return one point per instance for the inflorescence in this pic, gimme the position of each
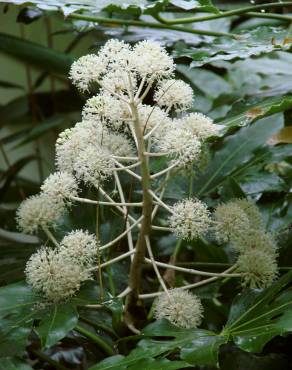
(108, 140)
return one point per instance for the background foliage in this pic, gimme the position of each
(240, 69)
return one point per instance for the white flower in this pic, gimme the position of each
(87, 70)
(53, 275)
(181, 144)
(190, 219)
(174, 94)
(39, 211)
(115, 54)
(151, 116)
(73, 141)
(180, 307)
(252, 212)
(60, 186)
(230, 222)
(118, 81)
(254, 239)
(93, 165)
(105, 107)
(119, 145)
(200, 125)
(259, 268)
(81, 247)
(150, 59)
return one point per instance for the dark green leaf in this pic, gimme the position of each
(41, 129)
(13, 364)
(256, 42)
(236, 150)
(245, 112)
(38, 55)
(56, 323)
(258, 316)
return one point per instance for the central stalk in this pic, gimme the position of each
(138, 260)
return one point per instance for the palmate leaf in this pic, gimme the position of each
(196, 346)
(56, 323)
(236, 150)
(259, 41)
(36, 54)
(11, 363)
(250, 110)
(198, 5)
(18, 309)
(256, 316)
(93, 6)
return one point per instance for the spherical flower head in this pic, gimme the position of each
(106, 108)
(230, 222)
(200, 125)
(87, 70)
(75, 140)
(53, 275)
(259, 269)
(150, 117)
(118, 145)
(180, 307)
(117, 81)
(81, 247)
(60, 186)
(93, 165)
(251, 211)
(174, 94)
(180, 144)
(39, 211)
(255, 239)
(149, 59)
(190, 219)
(115, 54)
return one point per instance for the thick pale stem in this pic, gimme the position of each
(138, 260)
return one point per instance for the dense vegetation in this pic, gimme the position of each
(221, 185)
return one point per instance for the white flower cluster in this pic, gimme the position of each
(147, 59)
(180, 307)
(45, 209)
(174, 94)
(57, 274)
(124, 73)
(190, 219)
(240, 223)
(86, 151)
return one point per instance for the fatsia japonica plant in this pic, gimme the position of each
(138, 119)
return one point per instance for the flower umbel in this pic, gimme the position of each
(180, 307)
(190, 219)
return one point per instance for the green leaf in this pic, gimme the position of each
(196, 346)
(210, 83)
(16, 298)
(236, 150)
(256, 42)
(16, 314)
(91, 6)
(13, 364)
(258, 316)
(56, 323)
(199, 5)
(33, 53)
(248, 111)
(163, 363)
(42, 128)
